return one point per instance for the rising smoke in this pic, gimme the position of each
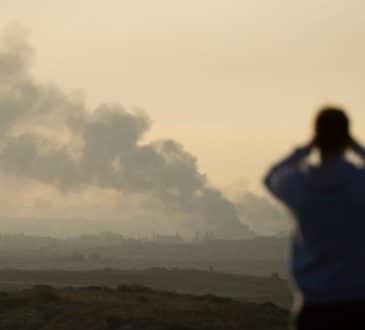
(260, 213)
(48, 136)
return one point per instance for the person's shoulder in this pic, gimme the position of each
(357, 176)
(356, 169)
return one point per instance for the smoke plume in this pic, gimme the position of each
(260, 213)
(48, 136)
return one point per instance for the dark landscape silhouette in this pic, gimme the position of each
(132, 307)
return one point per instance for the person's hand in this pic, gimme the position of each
(312, 143)
(354, 145)
(352, 142)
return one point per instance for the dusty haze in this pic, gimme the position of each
(236, 83)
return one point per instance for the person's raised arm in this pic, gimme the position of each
(357, 148)
(282, 179)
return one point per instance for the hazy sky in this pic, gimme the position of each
(236, 82)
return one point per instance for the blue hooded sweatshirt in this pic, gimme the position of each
(328, 244)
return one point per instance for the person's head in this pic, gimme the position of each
(332, 129)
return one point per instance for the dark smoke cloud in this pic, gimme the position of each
(260, 213)
(48, 136)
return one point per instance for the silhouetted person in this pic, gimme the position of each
(328, 245)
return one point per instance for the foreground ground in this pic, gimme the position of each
(131, 308)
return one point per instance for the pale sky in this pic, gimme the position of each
(237, 82)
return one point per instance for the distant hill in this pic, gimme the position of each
(261, 256)
(131, 308)
(246, 288)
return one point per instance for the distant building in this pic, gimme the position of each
(168, 239)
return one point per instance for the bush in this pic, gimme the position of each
(134, 289)
(43, 294)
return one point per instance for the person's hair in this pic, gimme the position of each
(332, 128)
